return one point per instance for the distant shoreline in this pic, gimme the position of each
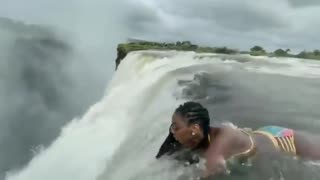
(137, 45)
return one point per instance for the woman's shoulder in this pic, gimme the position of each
(226, 128)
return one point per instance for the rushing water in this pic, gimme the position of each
(118, 137)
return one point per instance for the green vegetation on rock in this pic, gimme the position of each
(309, 55)
(259, 51)
(125, 48)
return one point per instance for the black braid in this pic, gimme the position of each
(194, 113)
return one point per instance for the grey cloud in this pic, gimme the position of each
(300, 3)
(240, 24)
(141, 16)
(231, 14)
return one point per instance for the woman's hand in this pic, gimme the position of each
(215, 166)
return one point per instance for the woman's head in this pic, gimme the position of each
(189, 128)
(190, 124)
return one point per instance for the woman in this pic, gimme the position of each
(190, 130)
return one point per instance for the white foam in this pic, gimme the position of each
(137, 93)
(118, 137)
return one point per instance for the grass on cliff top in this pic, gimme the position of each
(188, 46)
(179, 46)
(136, 47)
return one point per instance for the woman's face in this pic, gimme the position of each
(188, 135)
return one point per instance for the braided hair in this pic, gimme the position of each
(193, 113)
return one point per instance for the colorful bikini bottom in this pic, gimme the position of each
(281, 137)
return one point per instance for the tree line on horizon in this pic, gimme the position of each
(188, 46)
(259, 51)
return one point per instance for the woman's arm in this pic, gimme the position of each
(219, 150)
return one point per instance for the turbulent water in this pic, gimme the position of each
(118, 137)
(42, 87)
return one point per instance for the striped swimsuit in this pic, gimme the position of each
(282, 138)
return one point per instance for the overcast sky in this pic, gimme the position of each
(238, 23)
(97, 26)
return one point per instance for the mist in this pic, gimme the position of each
(54, 64)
